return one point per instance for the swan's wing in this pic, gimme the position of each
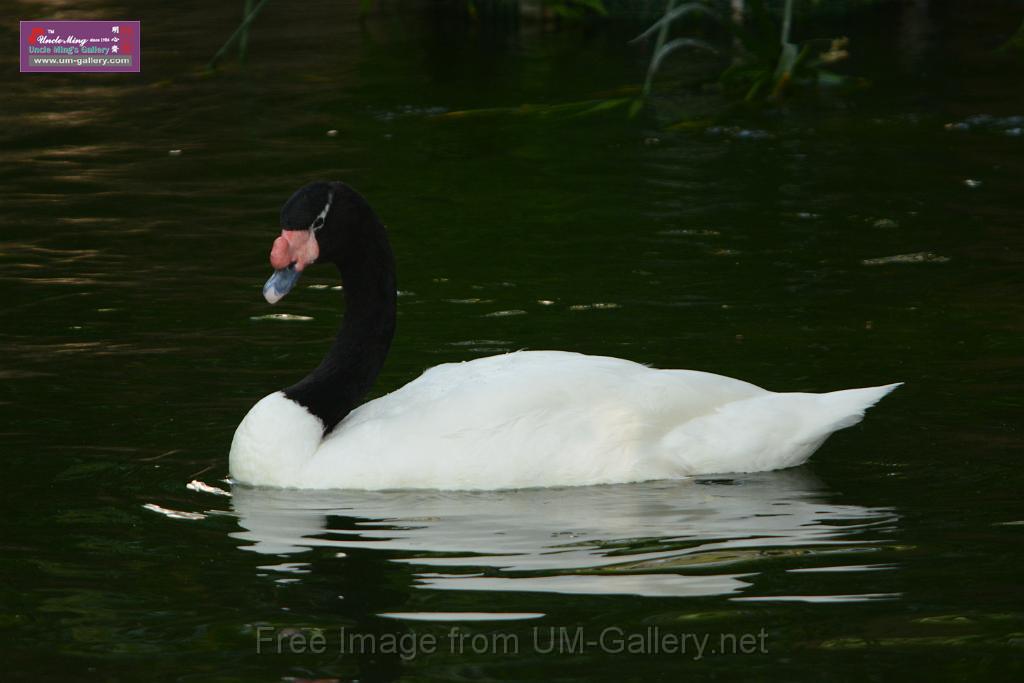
(523, 419)
(491, 391)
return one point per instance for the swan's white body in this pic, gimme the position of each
(542, 418)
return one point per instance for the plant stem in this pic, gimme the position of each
(243, 40)
(662, 35)
(238, 32)
(787, 22)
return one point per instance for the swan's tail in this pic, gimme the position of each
(848, 405)
(766, 432)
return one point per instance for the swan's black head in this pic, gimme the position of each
(318, 224)
(308, 207)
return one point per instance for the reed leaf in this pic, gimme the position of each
(242, 29)
(673, 45)
(675, 13)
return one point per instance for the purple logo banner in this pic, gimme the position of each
(79, 46)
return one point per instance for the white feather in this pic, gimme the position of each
(542, 418)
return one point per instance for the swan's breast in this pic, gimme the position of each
(274, 441)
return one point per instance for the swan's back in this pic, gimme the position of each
(549, 418)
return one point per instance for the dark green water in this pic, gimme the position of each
(133, 339)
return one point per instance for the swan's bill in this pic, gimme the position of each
(289, 256)
(280, 283)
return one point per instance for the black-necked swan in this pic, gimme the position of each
(523, 419)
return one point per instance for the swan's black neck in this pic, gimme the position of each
(348, 371)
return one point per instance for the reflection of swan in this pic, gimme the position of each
(531, 418)
(564, 537)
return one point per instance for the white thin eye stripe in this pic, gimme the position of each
(321, 218)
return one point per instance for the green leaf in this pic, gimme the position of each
(673, 14)
(596, 6)
(673, 45)
(756, 88)
(603, 106)
(830, 78)
(635, 107)
(786, 61)
(574, 9)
